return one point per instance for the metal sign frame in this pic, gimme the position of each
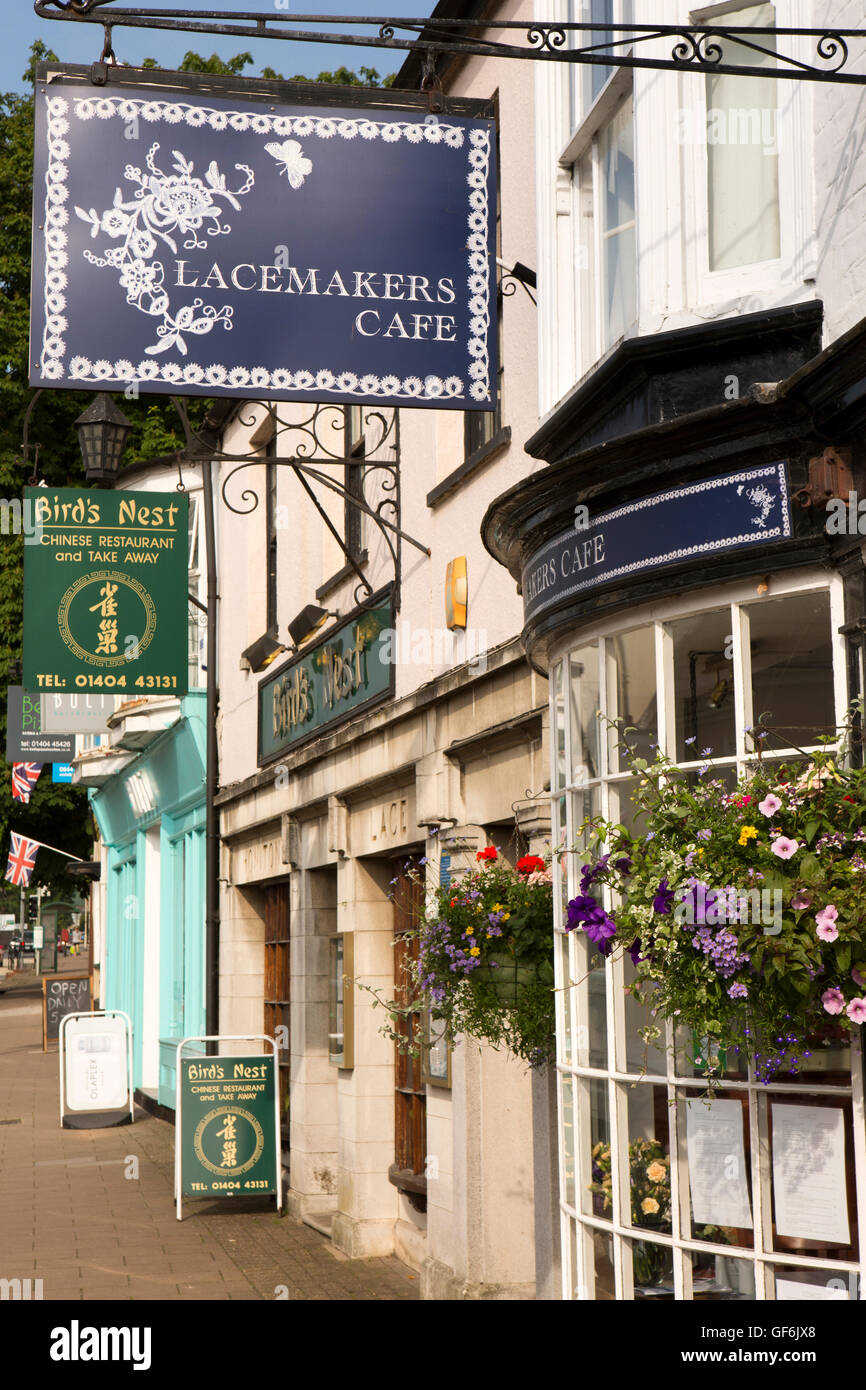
(178, 1119)
(96, 1013)
(694, 47)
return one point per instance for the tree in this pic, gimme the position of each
(59, 815)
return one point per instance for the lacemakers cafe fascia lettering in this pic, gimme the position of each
(355, 284)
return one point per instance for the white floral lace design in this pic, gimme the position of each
(185, 200)
(179, 203)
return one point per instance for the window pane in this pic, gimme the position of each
(631, 693)
(721, 1278)
(704, 686)
(567, 1122)
(594, 1131)
(649, 1158)
(584, 704)
(795, 1285)
(559, 724)
(653, 1269)
(792, 668)
(742, 152)
(623, 806)
(600, 12)
(590, 1002)
(640, 1055)
(616, 151)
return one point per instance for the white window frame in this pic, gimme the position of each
(796, 264)
(572, 962)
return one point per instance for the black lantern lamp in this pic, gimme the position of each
(102, 430)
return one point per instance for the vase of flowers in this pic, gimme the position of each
(744, 909)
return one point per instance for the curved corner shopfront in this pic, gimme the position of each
(680, 578)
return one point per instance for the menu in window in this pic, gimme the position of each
(809, 1173)
(717, 1163)
(792, 1291)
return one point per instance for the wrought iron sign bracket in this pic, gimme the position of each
(306, 444)
(693, 47)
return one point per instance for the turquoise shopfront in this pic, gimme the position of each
(151, 818)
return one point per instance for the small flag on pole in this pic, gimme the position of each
(22, 859)
(24, 779)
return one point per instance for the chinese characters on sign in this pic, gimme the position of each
(220, 245)
(105, 593)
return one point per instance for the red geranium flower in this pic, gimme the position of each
(487, 854)
(847, 798)
(530, 864)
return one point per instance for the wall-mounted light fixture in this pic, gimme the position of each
(262, 652)
(308, 622)
(456, 593)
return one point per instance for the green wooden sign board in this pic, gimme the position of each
(227, 1122)
(351, 668)
(105, 591)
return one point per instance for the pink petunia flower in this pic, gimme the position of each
(801, 900)
(827, 916)
(856, 1011)
(858, 978)
(769, 806)
(833, 1001)
(784, 848)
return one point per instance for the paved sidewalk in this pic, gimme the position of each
(71, 1217)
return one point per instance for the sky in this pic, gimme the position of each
(76, 42)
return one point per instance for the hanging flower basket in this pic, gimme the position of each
(507, 976)
(484, 965)
(744, 911)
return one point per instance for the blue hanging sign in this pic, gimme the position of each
(194, 244)
(751, 507)
(61, 772)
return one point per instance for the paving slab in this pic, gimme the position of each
(71, 1217)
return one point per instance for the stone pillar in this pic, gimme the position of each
(367, 1206)
(313, 1080)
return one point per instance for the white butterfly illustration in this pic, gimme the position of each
(294, 163)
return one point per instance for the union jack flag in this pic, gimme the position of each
(22, 859)
(24, 779)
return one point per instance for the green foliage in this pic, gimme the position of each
(232, 67)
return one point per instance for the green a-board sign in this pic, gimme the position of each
(105, 591)
(227, 1123)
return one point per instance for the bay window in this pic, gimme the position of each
(689, 676)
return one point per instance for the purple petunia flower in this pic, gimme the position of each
(663, 899)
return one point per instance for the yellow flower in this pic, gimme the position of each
(475, 951)
(747, 833)
(656, 1172)
(505, 916)
(497, 907)
(649, 1206)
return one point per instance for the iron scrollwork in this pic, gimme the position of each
(313, 445)
(696, 48)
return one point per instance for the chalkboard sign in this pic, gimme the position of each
(61, 995)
